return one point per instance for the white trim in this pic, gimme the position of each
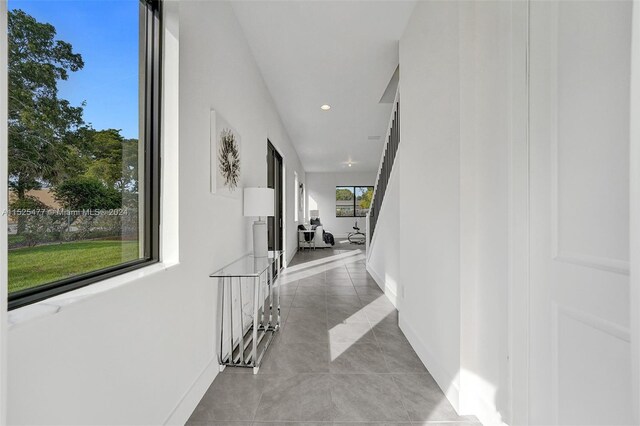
(599, 323)
(595, 262)
(170, 174)
(475, 401)
(388, 291)
(194, 394)
(53, 305)
(290, 258)
(518, 289)
(634, 172)
(3, 206)
(446, 380)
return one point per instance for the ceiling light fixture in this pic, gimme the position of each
(349, 164)
(325, 107)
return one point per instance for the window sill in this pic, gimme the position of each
(53, 305)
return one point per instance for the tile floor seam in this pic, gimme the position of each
(331, 393)
(371, 325)
(401, 398)
(255, 411)
(327, 276)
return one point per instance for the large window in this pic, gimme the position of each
(84, 79)
(353, 201)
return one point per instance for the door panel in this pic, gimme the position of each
(579, 204)
(274, 180)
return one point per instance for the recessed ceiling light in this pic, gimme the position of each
(325, 107)
(349, 164)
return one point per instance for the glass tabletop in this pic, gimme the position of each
(247, 266)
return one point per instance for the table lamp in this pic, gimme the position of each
(314, 214)
(258, 202)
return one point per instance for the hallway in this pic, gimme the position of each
(340, 357)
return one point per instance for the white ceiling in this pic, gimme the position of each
(341, 53)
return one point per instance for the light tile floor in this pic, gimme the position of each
(340, 357)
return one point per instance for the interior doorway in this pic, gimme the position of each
(275, 181)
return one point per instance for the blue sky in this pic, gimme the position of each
(105, 33)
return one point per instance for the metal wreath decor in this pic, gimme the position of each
(229, 159)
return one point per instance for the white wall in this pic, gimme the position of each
(456, 135)
(429, 195)
(383, 262)
(142, 352)
(485, 146)
(320, 193)
(489, 336)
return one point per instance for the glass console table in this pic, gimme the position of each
(248, 309)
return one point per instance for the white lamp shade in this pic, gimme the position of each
(314, 213)
(258, 201)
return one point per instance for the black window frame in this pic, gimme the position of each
(355, 198)
(152, 147)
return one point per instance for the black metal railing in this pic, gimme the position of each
(389, 156)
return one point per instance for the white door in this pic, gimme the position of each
(579, 212)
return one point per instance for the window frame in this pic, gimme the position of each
(355, 198)
(296, 201)
(152, 146)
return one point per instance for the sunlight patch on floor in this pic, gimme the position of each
(341, 256)
(309, 269)
(375, 312)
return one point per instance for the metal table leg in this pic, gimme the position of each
(254, 356)
(221, 324)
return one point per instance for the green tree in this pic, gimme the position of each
(344, 194)
(130, 165)
(44, 130)
(365, 199)
(87, 193)
(114, 161)
(105, 148)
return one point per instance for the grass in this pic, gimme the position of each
(33, 266)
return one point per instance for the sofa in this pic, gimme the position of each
(316, 242)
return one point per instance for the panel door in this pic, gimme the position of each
(579, 212)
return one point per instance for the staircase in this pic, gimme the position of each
(386, 165)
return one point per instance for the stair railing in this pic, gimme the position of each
(392, 141)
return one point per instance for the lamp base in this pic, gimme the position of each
(260, 238)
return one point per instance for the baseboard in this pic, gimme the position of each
(473, 401)
(194, 394)
(447, 381)
(290, 258)
(391, 294)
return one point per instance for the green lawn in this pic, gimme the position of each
(32, 266)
